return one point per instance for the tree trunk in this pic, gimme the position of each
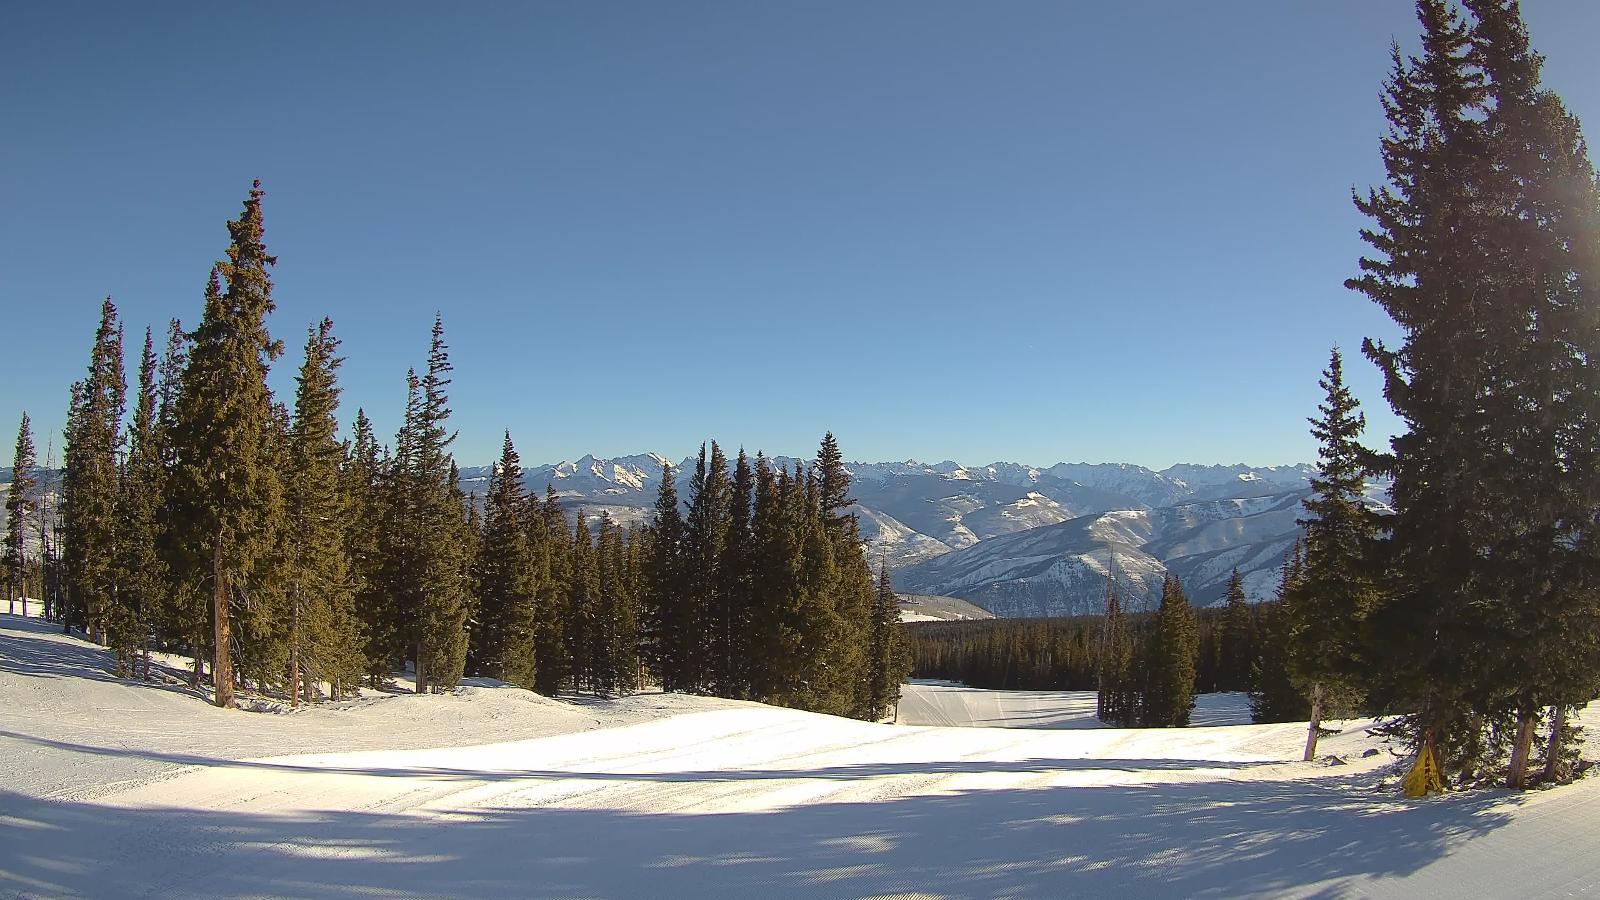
(294, 651)
(1553, 770)
(1313, 729)
(422, 669)
(222, 663)
(1522, 749)
(196, 641)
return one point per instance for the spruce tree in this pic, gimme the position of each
(666, 625)
(325, 641)
(141, 572)
(889, 658)
(582, 589)
(1237, 641)
(503, 644)
(1274, 697)
(222, 483)
(89, 482)
(550, 641)
(1336, 591)
(21, 506)
(1485, 240)
(1117, 703)
(1172, 655)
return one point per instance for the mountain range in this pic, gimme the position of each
(1015, 539)
(1023, 540)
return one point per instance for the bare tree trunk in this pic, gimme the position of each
(1552, 759)
(1522, 749)
(1313, 728)
(196, 641)
(222, 664)
(294, 651)
(422, 668)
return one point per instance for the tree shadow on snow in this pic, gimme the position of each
(1187, 839)
(1039, 766)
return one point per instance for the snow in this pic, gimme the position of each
(115, 789)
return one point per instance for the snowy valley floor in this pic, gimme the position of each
(114, 789)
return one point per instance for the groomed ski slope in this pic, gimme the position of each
(664, 797)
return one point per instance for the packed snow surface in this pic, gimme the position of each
(115, 789)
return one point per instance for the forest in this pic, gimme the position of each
(219, 522)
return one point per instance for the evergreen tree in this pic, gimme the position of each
(1172, 654)
(366, 488)
(141, 572)
(615, 622)
(503, 644)
(730, 619)
(1117, 703)
(21, 504)
(1485, 240)
(89, 482)
(549, 634)
(1335, 592)
(666, 623)
(1237, 643)
(1274, 697)
(325, 641)
(221, 482)
(889, 659)
(583, 589)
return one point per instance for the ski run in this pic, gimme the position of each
(116, 789)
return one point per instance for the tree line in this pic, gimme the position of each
(216, 521)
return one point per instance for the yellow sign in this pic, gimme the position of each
(1423, 779)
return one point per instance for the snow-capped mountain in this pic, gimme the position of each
(1015, 538)
(1061, 569)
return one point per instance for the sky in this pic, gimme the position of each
(1031, 232)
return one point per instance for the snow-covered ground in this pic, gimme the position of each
(928, 702)
(114, 789)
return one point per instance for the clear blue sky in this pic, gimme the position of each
(1021, 231)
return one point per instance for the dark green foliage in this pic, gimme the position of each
(325, 639)
(1486, 242)
(1274, 695)
(507, 577)
(22, 506)
(1329, 602)
(223, 483)
(141, 573)
(1173, 652)
(89, 482)
(667, 625)
(1118, 700)
(547, 529)
(888, 655)
(1236, 644)
(614, 664)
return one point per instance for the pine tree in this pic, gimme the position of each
(666, 625)
(1172, 653)
(1274, 697)
(89, 482)
(889, 658)
(550, 641)
(21, 504)
(1237, 644)
(615, 622)
(221, 483)
(503, 644)
(1335, 592)
(141, 572)
(583, 589)
(1485, 240)
(730, 619)
(367, 494)
(325, 640)
(1117, 703)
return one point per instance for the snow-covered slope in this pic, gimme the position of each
(737, 801)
